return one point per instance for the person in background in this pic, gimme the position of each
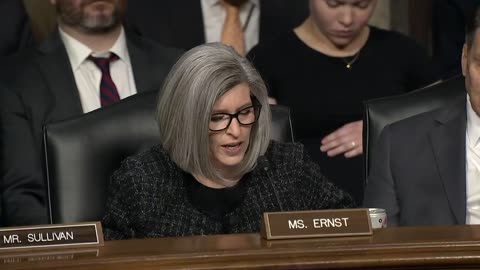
(449, 20)
(89, 63)
(241, 23)
(216, 170)
(325, 68)
(16, 32)
(15, 35)
(426, 168)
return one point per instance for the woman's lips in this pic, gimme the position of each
(232, 148)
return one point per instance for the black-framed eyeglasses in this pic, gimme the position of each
(247, 116)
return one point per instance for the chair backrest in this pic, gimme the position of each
(383, 111)
(83, 152)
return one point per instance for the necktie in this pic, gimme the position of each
(232, 33)
(108, 89)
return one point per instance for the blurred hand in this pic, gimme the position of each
(346, 140)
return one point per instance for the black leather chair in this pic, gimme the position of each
(83, 152)
(383, 111)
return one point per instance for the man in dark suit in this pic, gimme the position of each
(180, 23)
(426, 168)
(60, 80)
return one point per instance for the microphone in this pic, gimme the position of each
(228, 222)
(264, 164)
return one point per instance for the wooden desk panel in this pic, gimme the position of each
(454, 247)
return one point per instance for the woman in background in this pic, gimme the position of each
(325, 68)
(216, 170)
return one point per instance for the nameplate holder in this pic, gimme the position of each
(318, 223)
(88, 234)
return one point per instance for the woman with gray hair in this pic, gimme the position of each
(216, 170)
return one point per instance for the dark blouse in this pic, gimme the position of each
(324, 95)
(215, 203)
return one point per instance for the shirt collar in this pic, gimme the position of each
(78, 52)
(473, 124)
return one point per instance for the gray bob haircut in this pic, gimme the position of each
(199, 78)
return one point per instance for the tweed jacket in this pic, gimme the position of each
(147, 195)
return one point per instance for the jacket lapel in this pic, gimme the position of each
(146, 69)
(448, 145)
(54, 65)
(142, 71)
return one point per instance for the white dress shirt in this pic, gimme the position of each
(473, 165)
(214, 16)
(88, 75)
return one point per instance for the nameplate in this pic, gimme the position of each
(45, 236)
(319, 223)
(35, 256)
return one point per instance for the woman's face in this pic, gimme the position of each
(341, 21)
(228, 146)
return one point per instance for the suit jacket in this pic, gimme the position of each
(45, 91)
(418, 172)
(179, 23)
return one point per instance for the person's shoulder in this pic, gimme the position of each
(157, 47)
(384, 34)
(150, 170)
(20, 57)
(153, 160)
(273, 47)
(152, 47)
(23, 69)
(51, 51)
(392, 39)
(28, 56)
(284, 151)
(422, 123)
